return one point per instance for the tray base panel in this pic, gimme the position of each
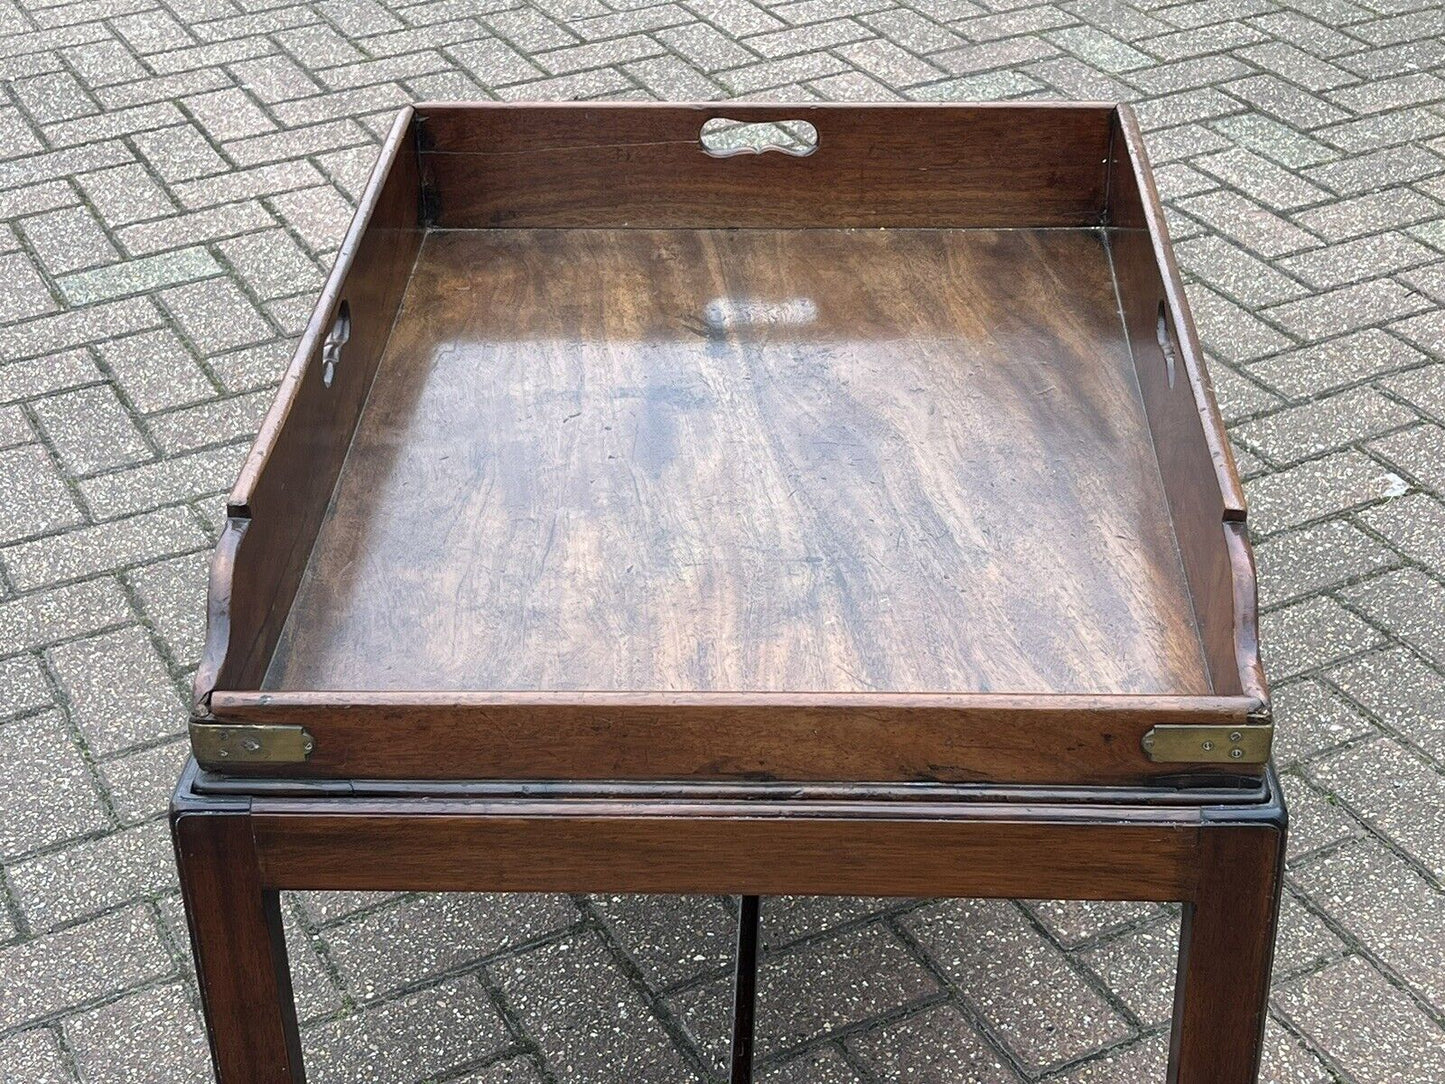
(791, 460)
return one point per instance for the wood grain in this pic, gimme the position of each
(1227, 940)
(280, 497)
(1057, 740)
(1192, 449)
(240, 950)
(971, 853)
(570, 165)
(754, 460)
(774, 466)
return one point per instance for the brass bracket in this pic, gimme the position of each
(1243, 744)
(217, 745)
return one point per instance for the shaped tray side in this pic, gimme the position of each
(1190, 442)
(280, 497)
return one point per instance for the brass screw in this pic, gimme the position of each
(1208, 746)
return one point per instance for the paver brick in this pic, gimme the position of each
(183, 231)
(381, 951)
(69, 239)
(33, 495)
(1395, 792)
(80, 965)
(46, 794)
(1324, 315)
(1324, 366)
(1418, 452)
(45, 617)
(590, 1024)
(1320, 557)
(1363, 258)
(1318, 488)
(1237, 273)
(88, 551)
(1302, 432)
(821, 1066)
(1143, 1060)
(1311, 634)
(59, 887)
(1398, 687)
(158, 1028)
(1321, 822)
(90, 430)
(1357, 1018)
(1386, 209)
(671, 938)
(1248, 224)
(1408, 602)
(1304, 943)
(1311, 718)
(155, 370)
(33, 1057)
(1020, 984)
(1139, 968)
(422, 1034)
(26, 294)
(937, 1043)
(23, 686)
(174, 182)
(1367, 889)
(139, 784)
(119, 691)
(827, 985)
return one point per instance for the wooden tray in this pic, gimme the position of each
(607, 457)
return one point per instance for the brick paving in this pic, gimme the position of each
(175, 176)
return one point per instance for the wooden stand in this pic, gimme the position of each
(1222, 861)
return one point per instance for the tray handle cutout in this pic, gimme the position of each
(335, 340)
(1164, 331)
(723, 137)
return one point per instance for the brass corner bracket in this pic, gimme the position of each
(1247, 743)
(217, 745)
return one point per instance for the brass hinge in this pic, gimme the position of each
(1245, 744)
(217, 745)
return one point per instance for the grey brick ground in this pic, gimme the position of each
(175, 176)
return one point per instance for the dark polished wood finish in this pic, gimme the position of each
(745, 992)
(639, 519)
(910, 503)
(278, 503)
(1226, 948)
(757, 460)
(1222, 862)
(812, 737)
(239, 947)
(1034, 165)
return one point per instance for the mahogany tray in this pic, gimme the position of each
(886, 457)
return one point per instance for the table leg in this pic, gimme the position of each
(240, 950)
(745, 991)
(1226, 951)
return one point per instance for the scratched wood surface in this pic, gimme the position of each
(752, 460)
